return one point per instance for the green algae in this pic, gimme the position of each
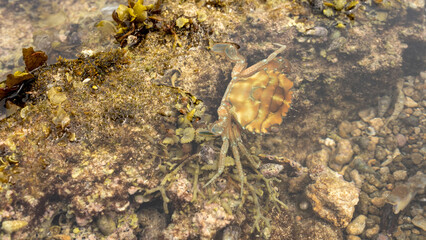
(134, 19)
(180, 22)
(63, 98)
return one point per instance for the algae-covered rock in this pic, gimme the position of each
(106, 224)
(211, 218)
(356, 227)
(332, 198)
(10, 226)
(344, 152)
(153, 223)
(88, 137)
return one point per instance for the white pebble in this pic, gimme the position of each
(399, 175)
(409, 102)
(357, 226)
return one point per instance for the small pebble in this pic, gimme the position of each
(373, 210)
(13, 225)
(416, 210)
(345, 128)
(417, 130)
(401, 140)
(356, 227)
(408, 91)
(378, 201)
(377, 123)
(412, 121)
(390, 142)
(380, 153)
(364, 202)
(419, 221)
(370, 222)
(368, 188)
(356, 132)
(232, 232)
(417, 158)
(363, 142)
(359, 124)
(367, 114)
(374, 181)
(303, 205)
(319, 158)
(317, 31)
(356, 177)
(140, 198)
(384, 174)
(382, 236)
(372, 143)
(409, 102)
(344, 152)
(352, 237)
(106, 224)
(384, 171)
(375, 218)
(419, 112)
(400, 175)
(329, 142)
(371, 232)
(408, 111)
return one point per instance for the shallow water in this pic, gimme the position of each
(357, 107)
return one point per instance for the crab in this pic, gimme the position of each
(256, 99)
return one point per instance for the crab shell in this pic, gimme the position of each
(260, 100)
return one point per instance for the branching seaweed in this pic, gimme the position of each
(168, 178)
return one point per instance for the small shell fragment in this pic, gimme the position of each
(317, 32)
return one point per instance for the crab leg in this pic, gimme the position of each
(253, 69)
(253, 162)
(230, 51)
(221, 162)
(237, 137)
(238, 164)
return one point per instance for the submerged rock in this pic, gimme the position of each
(13, 225)
(344, 152)
(419, 221)
(210, 219)
(106, 224)
(367, 114)
(232, 232)
(402, 194)
(153, 223)
(332, 198)
(356, 227)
